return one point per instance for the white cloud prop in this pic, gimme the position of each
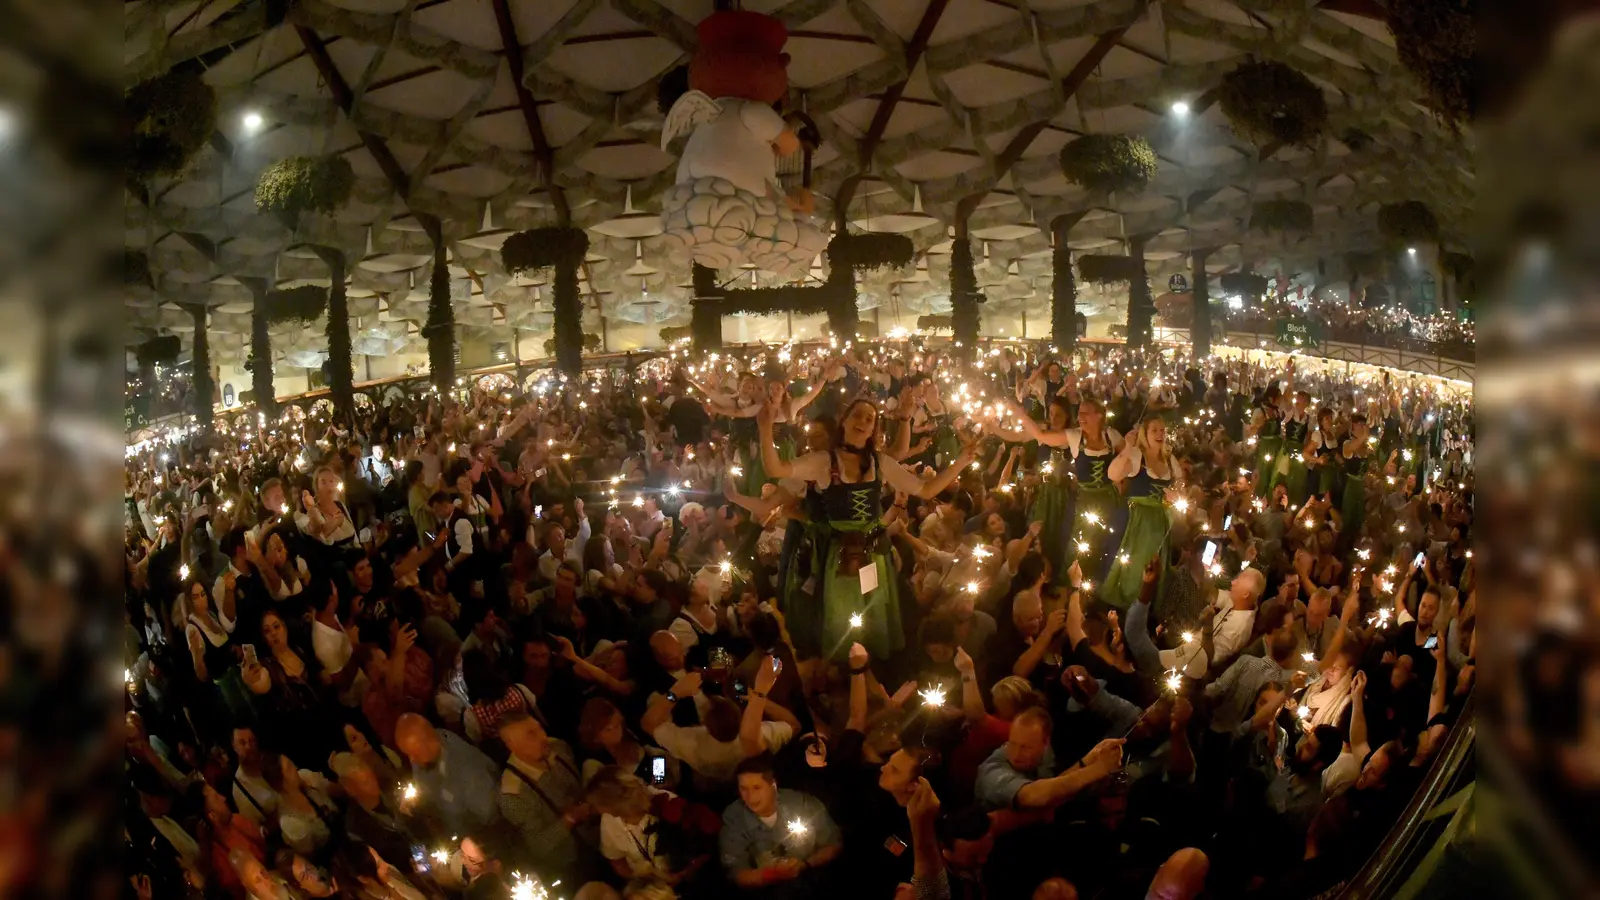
(721, 226)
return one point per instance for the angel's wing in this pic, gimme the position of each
(693, 108)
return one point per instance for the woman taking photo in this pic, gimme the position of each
(290, 688)
(850, 476)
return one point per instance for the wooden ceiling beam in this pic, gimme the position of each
(1020, 142)
(530, 110)
(317, 49)
(915, 48)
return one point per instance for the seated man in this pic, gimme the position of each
(776, 841)
(1022, 774)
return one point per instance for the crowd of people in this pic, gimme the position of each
(1363, 324)
(804, 619)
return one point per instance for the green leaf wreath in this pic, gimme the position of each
(302, 305)
(1268, 102)
(1245, 284)
(1281, 216)
(863, 252)
(1109, 162)
(1437, 42)
(1407, 223)
(305, 184)
(542, 248)
(136, 268)
(162, 350)
(169, 118)
(1105, 268)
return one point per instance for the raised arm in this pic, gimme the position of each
(971, 697)
(756, 705)
(1358, 715)
(775, 465)
(1047, 793)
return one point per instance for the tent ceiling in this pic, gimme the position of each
(431, 88)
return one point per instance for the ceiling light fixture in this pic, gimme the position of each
(252, 122)
(1180, 108)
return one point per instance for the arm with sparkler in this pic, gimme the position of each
(1035, 654)
(750, 737)
(971, 698)
(1048, 793)
(1136, 632)
(1358, 715)
(1180, 758)
(927, 868)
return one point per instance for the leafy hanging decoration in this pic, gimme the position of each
(675, 333)
(1244, 284)
(1437, 42)
(301, 305)
(1270, 103)
(440, 327)
(965, 317)
(1109, 163)
(772, 301)
(864, 252)
(1405, 223)
(1063, 297)
(1104, 268)
(169, 118)
(136, 268)
(161, 350)
(591, 344)
(542, 248)
(305, 184)
(1281, 216)
(933, 323)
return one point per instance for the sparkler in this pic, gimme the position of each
(1188, 637)
(726, 567)
(856, 620)
(972, 587)
(410, 791)
(932, 697)
(183, 571)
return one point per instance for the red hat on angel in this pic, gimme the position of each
(741, 55)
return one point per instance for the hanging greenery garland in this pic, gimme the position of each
(542, 248)
(1109, 163)
(675, 333)
(1437, 41)
(136, 268)
(303, 305)
(1270, 103)
(865, 252)
(933, 323)
(1407, 223)
(1281, 216)
(169, 118)
(1104, 268)
(1244, 284)
(305, 184)
(591, 344)
(161, 350)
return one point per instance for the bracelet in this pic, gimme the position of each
(759, 695)
(860, 671)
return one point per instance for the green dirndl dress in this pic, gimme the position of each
(854, 517)
(805, 546)
(1094, 495)
(1052, 508)
(1145, 538)
(1328, 468)
(946, 444)
(1292, 472)
(1269, 452)
(1353, 504)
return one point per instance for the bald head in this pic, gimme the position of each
(1181, 877)
(1027, 613)
(597, 890)
(417, 739)
(668, 651)
(1055, 889)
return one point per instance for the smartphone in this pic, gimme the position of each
(1431, 643)
(419, 858)
(658, 770)
(1207, 554)
(538, 512)
(739, 690)
(250, 655)
(1416, 561)
(1227, 522)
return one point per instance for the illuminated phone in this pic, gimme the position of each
(1227, 522)
(658, 770)
(250, 655)
(1416, 561)
(1431, 643)
(1207, 554)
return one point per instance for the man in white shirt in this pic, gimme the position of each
(715, 749)
(1225, 627)
(558, 548)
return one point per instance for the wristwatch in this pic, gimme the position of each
(672, 697)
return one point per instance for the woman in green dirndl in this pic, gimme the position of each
(1322, 454)
(857, 575)
(1078, 503)
(1353, 474)
(742, 408)
(1266, 430)
(1291, 470)
(1146, 470)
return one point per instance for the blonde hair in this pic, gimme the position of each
(1141, 441)
(1017, 692)
(615, 792)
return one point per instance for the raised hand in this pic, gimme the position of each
(858, 656)
(964, 664)
(1105, 758)
(767, 673)
(923, 808)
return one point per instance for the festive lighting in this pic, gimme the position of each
(1216, 569)
(1174, 682)
(855, 620)
(1092, 517)
(638, 500)
(726, 567)
(1188, 637)
(441, 856)
(1181, 504)
(674, 490)
(981, 552)
(1304, 712)
(410, 792)
(972, 587)
(183, 571)
(932, 697)
(1308, 656)
(1083, 546)
(1123, 559)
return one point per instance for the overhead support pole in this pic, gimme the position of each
(261, 349)
(1141, 306)
(200, 383)
(340, 370)
(1063, 287)
(1200, 321)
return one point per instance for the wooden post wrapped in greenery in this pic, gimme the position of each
(161, 350)
(301, 184)
(839, 300)
(1119, 163)
(705, 314)
(340, 375)
(301, 306)
(965, 317)
(1437, 41)
(1200, 326)
(1063, 290)
(170, 118)
(200, 382)
(562, 249)
(1270, 103)
(1141, 306)
(1286, 217)
(441, 326)
(260, 363)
